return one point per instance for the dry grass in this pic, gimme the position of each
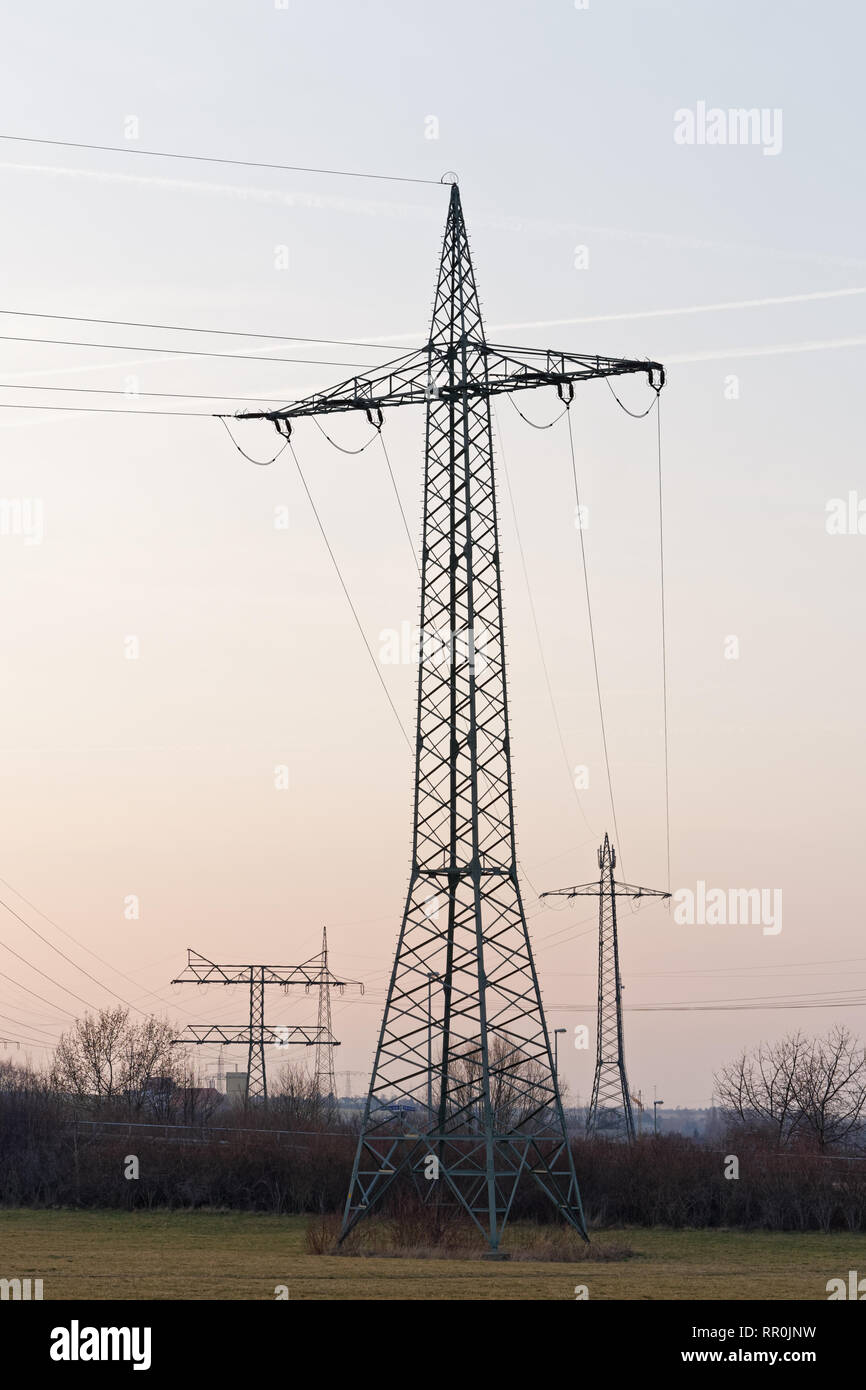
(242, 1255)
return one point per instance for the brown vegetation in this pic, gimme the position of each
(787, 1154)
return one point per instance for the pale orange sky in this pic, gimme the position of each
(155, 776)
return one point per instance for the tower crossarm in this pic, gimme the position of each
(521, 369)
(633, 890)
(429, 374)
(580, 890)
(591, 890)
(271, 1035)
(404, 381)
(201, 971)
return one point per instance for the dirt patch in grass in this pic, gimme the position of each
(386, 1238)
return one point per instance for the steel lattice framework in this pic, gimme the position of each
(610, 1112)
(463, 1098)
(326, 1082)
(259, 1035)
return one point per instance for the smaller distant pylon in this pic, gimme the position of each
(610, 1113)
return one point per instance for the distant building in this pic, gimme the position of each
(156, 1087)
(163, 1097)
(236, 1084)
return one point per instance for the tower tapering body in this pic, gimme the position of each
(610, 1112)
(326, 1084)
(257, 1076)
(463, 1098)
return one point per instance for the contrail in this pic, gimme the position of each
(374, 207)
(420, 212)
(689, 309)
(378, 207)
(718, 307)
(716, 354)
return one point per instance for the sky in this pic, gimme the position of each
(170, 645)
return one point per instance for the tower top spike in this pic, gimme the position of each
(464, 1068)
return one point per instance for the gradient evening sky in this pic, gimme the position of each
(155, 776)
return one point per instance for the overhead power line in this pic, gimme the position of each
(399, 502)
(67, 958)
(104, 410)
(147, 993)
(189, 328)
(184, 352)
(664, 640)
(535, 623)
(49, 978)
(22, 1023)
(348, 597)
(133, 396)
(27, 1042)
(213, 159)
(592, 633)
(57, 1007)
(260, 463)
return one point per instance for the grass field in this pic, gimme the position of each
(239, 1255)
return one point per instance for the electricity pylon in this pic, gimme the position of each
(463, 1098)
(610, 1111)
(326, 1083)
(259, 1035)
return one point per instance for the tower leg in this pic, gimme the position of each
(463, 1092)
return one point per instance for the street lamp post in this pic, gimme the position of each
(656, 1104)
(556, 1033)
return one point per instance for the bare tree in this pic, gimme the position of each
(296, 1098)
(762, 1087)
(799, 1087)
(519, 1085)
(147, 1052)
(107, 1057)
(832, 1088)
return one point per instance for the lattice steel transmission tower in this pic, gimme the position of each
(610, 1111)
(326, 1082)
(463, 1099)
(259, 1035)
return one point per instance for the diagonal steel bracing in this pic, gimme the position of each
(463, 1100)
(314, 972)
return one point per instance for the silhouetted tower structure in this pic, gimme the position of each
(463, 1098)
(259, 1035)
(610, 1111)
(326, 1084)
